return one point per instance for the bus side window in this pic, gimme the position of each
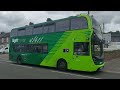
(45, 48)
(45, 29)
(62, 25)
(37, 48)
(37, 30)
(79, 23)
(51, 28)
(14, 33)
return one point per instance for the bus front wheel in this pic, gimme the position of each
(62, 65)
(19, 60)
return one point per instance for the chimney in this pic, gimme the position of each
(31, 23)
(2, 33)
(49, 19)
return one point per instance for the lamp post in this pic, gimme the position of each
(88, 12)
(103, 28)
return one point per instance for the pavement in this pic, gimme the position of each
(113, 66)
(4, 56)
(10, 70)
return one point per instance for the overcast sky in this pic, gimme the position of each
(14, 19)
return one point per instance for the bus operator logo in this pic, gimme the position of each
(14, 40)
(36, 39)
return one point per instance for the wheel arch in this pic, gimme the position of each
(62, 60)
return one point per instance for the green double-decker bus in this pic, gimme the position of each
(73, 43)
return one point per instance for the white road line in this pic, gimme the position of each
(76, 75)
(21, 66)
(8, 61)
(5, 61)
(111, 71)
(3, 58)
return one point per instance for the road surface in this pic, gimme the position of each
(10, 70)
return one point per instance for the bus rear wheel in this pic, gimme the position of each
(62, 65)
(19, 60)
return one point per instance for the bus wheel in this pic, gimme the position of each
(19, 60)
(62, 65)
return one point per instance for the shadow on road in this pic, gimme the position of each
(67, 71)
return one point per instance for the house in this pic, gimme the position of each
(115, 36)
(4, 42)
(112, 40)
(107, 39)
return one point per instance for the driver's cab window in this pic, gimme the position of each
(81, 48)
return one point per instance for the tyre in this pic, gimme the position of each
(62, 65)
(100, 69)
(19, 60)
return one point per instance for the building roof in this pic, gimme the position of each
(1, 35)
(5, 35)
(115, 34)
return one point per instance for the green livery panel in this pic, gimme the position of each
(56, 43)
(35, 58)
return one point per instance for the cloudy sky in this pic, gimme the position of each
(14, 19)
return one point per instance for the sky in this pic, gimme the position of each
(15, 19)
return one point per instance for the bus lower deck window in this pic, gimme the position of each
(81, 48)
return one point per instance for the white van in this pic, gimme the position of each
(4, 50)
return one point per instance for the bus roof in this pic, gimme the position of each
(51, 22)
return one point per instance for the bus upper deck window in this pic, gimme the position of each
(79, 23)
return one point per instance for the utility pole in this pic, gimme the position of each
(88, 12)
(103, 27)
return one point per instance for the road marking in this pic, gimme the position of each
(3, 58)
(5, 61)
(111, 71)
(21, 66)
(77, 75)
